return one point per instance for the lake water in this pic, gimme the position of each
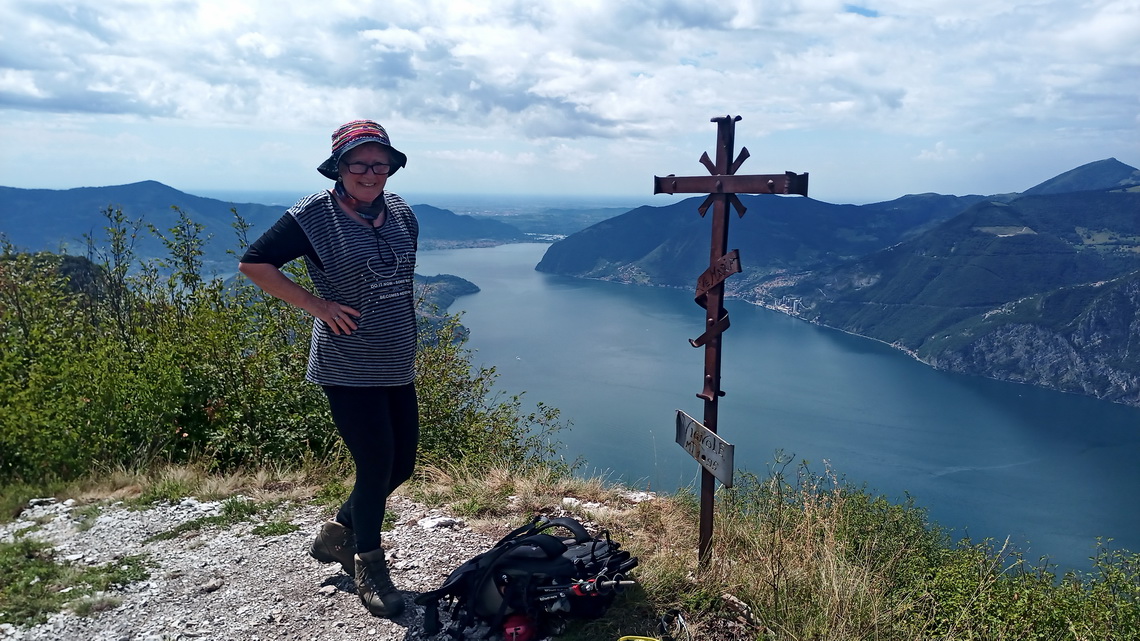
(988, 459)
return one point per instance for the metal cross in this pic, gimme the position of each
(722, 186)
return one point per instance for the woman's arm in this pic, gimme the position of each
(270, 279)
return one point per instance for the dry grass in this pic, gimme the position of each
(176, 481)
(792, 558)
(781, 550)
(500, 497)
(662, 532)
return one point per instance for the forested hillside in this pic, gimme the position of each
(60, 220)
(1040, 290)
(670, 245)
(1036, 287)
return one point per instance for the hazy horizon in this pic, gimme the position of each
(473, 200)
(874, 100)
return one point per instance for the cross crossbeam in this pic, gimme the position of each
(722, 187)
(786, 183)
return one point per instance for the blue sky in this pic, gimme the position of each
(874, 100)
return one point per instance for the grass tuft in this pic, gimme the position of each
(795, 555)
(34, 585)
(234, 510)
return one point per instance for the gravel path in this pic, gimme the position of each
(229, 583)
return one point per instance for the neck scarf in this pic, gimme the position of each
(368, 211)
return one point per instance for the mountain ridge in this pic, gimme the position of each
(1009, 286)
(973, 295)
(1093, 176)
(57, 220)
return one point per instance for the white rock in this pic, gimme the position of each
(433, 522)
(638, 497)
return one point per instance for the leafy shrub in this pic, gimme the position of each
(111, 362)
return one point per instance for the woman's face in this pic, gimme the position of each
(368, 186)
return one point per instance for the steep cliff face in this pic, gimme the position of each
(1097, 354)
(1038, 289)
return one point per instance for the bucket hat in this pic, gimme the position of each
(353, 134)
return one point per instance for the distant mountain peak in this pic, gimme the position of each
(1100, 175)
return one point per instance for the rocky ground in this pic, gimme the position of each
(229, 583)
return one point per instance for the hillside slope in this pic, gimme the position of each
(55, 220)
(670, 245)
(444, 228)
(58, 220)
(1100, 175)
(1038, 290)
(1036, 287)
(1083, 339)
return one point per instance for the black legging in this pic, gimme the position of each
(381, 427)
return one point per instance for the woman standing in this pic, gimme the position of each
(359, 244)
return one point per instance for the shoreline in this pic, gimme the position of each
(909, 352)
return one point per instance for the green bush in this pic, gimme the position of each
(109, 362)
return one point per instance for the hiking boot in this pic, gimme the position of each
(375, 586)
(335, 544)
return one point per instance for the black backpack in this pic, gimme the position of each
(535, 575)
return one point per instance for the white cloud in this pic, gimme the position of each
(19, 82)
(940, 153)
(262, 45)
(222, 15)
(637, 80)
(483, 157)
(394, 39)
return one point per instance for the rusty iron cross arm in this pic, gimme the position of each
(786, 183)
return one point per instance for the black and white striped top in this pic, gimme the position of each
(369, 269)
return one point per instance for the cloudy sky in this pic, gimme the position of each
(874, 100)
